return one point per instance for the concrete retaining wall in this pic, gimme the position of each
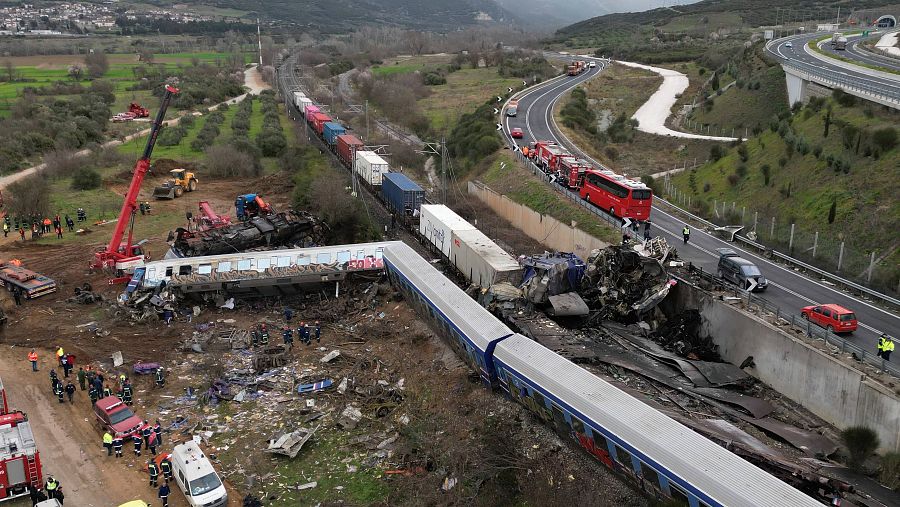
(836, 392)
(544, 229)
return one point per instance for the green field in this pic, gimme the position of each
(702, 22)
(465, 90)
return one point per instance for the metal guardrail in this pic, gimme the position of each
(846, 83)
(804, 326)
(786, 259)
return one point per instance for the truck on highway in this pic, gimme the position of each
(835, 37)
(841, 44)
(512, 108)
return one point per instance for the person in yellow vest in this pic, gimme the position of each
(52, 487)
(59, 355)
(108, 443)
(885, 347)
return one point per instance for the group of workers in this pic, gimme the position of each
(38, 226)
(259, 334)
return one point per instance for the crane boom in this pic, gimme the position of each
(116, 252)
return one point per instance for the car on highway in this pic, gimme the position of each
(789, 44)
(740, 271)
(592, 64)
(115, 416)
(517, 133)
(834, 318)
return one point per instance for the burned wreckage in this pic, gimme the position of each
(292, 228)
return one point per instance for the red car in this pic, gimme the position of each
(115, 416)
(517, 133)
(835, 318)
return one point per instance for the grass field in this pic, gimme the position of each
(745, 108)
(705, 23)
(407, 64)
(465, 90)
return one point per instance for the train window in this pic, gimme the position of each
(577, 425)
(184, 270)
(360, 255)
(263, 264)
(559, 419)
(678, 495)
(302, 260)
(343, 256)
(224, 267)
(169, 271)
(244, 264)
(204, 269)
(151, 273)
(323, 258)
(703, 504)
(599, 441)
(283, 262)
(379, 254)
(624, 458)
(649, 474)
(539, 399)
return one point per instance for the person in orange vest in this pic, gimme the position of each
(47, 223)
(32, 356)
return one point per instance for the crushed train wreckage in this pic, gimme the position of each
(293, 228)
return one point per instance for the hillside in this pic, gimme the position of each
(842, 186)
(686, 32)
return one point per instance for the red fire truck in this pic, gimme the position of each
(20, 461)
(571, 172)
(547, 155)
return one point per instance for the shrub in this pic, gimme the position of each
(890, 470)
(706, 187)
(742, 153)
(86, 179)
(766, 172)
(271, 143)
(861, 442)
(782, 162)
(832, 211)
(817, 151)
(612, 153)
(843, 98)
(885, 138)
(741, 171)
(434, 79)
(733, 179)
(227, 162)
(187, 120)
(172, 135)
(716, 152)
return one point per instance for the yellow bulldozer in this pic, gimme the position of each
(182, 181)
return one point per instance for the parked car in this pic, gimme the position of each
(196, 476)
(517, 133)
(834, 318)
(115, 416)
(740, 271)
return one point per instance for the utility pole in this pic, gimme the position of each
(259, 41)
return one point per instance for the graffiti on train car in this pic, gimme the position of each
(602, 454)
(369, 262)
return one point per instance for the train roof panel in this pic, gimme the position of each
(402, 181)
(715, 471)
(478, 325)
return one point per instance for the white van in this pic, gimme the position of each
(196, 476)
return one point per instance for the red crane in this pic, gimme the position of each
(118, 254)
(209, 219)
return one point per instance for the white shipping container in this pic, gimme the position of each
(482, 261)
(304, 101)
(298, 96)
(437, 223)
(369, 166)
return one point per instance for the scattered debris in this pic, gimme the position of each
(331, 356)
(350, 417)
(289, 444)
(317, 386)
(620, 284)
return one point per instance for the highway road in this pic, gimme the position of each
(793, 49)
(854, 51)
(787, 289)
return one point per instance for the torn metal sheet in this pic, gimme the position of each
(730, 434)
(569, 304)
(757, 407)
(289, 444)
(721, 374)
(811, 443)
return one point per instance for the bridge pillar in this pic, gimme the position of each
(796, 86)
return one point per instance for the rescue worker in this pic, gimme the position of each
(318, 332)
(32, 356)
(136, 438)
(686, 233)
(307, 333)
(152, 443)
(58, 391)
(885, 346)
(59, 354)
(70, 391)
(164, 494)
(53, 380)
(98, 385)
(264, 336)
(93, 394)
(108, 443)
(64, 361)
(120, 394)
(146, 432)
(154, 473)
(157, 429)
(300, 334)
(70, 223)
(107, 391)
(117, 443)
(127, 394)
(82, 378)
(142, 209)
(147, 207)
(288, 337)
(59, 232)
(254, 337)
(288, 315)
(5, 229)
(647, 230)
(160, 379)
(166, 467)
(51, 487)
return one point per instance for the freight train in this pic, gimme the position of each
(666, 458)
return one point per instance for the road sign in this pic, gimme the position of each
(509, 90)
(499, 98)
(499, 127)
(524, 83)
(496, 111)
(752, 286)
(626, 222)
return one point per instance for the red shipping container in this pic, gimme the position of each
(347, 144)
(318, 122)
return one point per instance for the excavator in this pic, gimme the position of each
(125, 255)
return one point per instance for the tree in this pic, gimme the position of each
(28, 197)
(146, 56)
(76, 71)
(10, 70)
(832, 211)
(827, 122)
(86, 179)
(716, 152)
(861, 442)
(416, 41)
(96, 62)
(885, 138)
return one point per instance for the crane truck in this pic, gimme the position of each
(125, 255)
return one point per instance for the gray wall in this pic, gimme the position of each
(836, 392)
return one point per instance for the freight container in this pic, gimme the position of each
(481, 261)
(304, 101)
(437, 224)
(331, 130)
(402, 195)
(310, 110)
(347, 145)
(370, 167)
(298, 100)
(318, 121)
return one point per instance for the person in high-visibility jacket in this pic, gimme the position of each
(59, 355)
(885, 346)
(108, 443)
(32, 356)
(686, 233)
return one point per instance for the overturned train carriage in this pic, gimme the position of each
(271, 231)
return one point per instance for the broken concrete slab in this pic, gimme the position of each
(331, 356)
(350, 417)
